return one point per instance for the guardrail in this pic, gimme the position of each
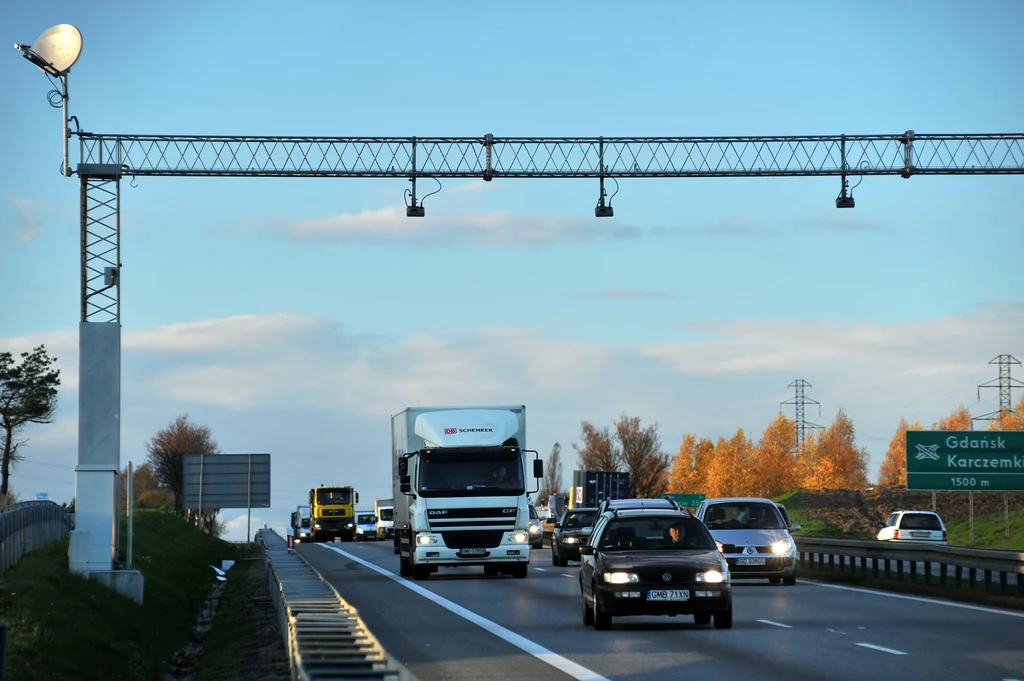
(877, 559)
(324, 635)
(27, 526)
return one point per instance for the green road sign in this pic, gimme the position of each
(988, 460)
(686, 500)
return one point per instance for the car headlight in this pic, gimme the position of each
(621, 578)
(710, 577)
(570, 540)
(782, 546)
(519, 537)
(721, 549)
(426, 539)
(534, 529)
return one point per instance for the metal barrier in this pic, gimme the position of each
(865, 557)
(324, 635)
(27, 526)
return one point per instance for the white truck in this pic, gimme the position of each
(460, 489)
(385, 512)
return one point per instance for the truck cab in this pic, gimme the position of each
(461, 483)
(332, 513)
(300, 524)
(385, 511)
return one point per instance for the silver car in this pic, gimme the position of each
(753, 537)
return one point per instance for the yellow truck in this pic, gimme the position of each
(332, 513)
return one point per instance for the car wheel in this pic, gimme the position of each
(588, 614)
(702, 618)
(555, 560)
(602, 620)
(723, 618)
(789, 581)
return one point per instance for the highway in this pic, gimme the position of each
(462, 625)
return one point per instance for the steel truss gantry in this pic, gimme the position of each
(105, 158)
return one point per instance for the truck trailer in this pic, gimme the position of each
(461, 479)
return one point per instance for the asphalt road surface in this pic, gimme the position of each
(460, 624)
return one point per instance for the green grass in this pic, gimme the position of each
(226, 646)
(989, 532)
(65, 627)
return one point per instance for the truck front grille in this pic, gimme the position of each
(472, 539)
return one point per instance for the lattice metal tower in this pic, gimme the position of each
(800, 400)
(1005, 383)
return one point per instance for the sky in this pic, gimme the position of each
(294, 316)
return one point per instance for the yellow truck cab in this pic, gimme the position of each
(332, 513)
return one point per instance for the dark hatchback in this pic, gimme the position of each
(636, 565)
(570, 533)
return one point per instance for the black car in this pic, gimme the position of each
(569, 533)
(653, 561)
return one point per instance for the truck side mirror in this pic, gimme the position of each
(538, 468)
(357, 497)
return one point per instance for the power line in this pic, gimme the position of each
(1005, 383)
(800, 400)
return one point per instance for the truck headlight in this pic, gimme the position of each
(621, 578)
(519, 538)
(426, 539)
(710, 577)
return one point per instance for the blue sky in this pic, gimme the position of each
(695, 307)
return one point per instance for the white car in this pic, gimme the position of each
(914, 526)
(366, 527)
(753, 537)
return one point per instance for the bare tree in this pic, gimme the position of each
(598, 451)
(552, 475)
(28, 394)
(641, 455)
(166, 452)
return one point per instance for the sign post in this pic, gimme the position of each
(965, 460)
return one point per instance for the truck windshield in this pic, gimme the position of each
(365, 519)
(333, 497)
(470, 474)
(387, 514)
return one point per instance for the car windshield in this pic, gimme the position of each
(577, 519)
(920, 521)
(365, 519)
(745, 515)
(656, 534)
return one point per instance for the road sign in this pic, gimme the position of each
(978, 460)
(686, 500)
(42, 496)
(227, 481)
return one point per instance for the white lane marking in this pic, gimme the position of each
(569, 576)
(880, 648)
(920, 599)
(526, 645)
(541, 569)
(776, 624)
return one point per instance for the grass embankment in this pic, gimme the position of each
(65, 627)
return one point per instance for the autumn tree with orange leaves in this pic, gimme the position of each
(837, 462)
(893, 472)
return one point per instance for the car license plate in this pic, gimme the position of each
(920, 534)
(668, 595)
(472, 552)
(750, 561)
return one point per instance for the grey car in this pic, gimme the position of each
(753, 536)
(570, 532)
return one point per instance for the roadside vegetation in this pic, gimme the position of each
(65, 627)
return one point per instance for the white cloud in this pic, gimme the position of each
(319, 400)
(30, 215)
(441, 228)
